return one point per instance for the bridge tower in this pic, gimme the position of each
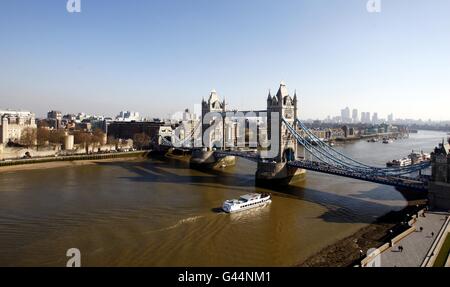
(212, 110)
(286, 107)
(439, 186)
(276, 171)
(212, 105)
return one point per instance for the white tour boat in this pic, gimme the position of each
(413, 158)
(245, 202)
(406, 161)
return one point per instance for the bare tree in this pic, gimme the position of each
(28, 137)
(43, 136)
(42, 124)
(98, 136)
(56, 137)
(83, 138)
(113, 141)
(141, 140)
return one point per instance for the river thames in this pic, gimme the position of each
(161, 213)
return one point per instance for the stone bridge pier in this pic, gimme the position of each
(207, 159)
(275, 174)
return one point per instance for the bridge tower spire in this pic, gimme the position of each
(286, 107)
(212, 109)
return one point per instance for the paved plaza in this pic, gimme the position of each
(416, 245)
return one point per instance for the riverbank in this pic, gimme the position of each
(63, 161)
(368, 137)
(347, 252)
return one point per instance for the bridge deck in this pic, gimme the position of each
(420, 184)
(397, 181)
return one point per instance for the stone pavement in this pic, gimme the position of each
(416, 245)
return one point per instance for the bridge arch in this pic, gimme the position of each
(216, 144)
(288, 155)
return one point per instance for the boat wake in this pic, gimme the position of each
(184, 221)
(179, 223)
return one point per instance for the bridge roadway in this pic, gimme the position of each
(419, 183)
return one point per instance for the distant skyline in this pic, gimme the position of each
(159, 57)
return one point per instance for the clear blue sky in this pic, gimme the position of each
(158, 57)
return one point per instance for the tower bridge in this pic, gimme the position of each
(273, 138)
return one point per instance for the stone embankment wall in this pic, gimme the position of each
(76, 157)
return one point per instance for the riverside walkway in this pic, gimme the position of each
(93, 156)
(412, 250)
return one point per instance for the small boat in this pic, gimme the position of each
(247, 201)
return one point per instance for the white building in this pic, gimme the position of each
(355, 117)
(188, 128)
(345, 115)
(12, 123)
(390, 118)
(375, 119)
(365, 117)
(128, 116)
(188, 116)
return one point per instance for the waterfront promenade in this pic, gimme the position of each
(412, 250)
(94, 156)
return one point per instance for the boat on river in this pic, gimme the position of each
(412, 158)
(248, 201)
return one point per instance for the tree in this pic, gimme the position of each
(28, 137)
(42, 124)
(111, 140)
(141, 140)
(56, 137)
(43, 136)
(97, 136)
(83, 138)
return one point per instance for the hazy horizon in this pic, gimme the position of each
(161, 57)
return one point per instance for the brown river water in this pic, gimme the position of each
(161, 213)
